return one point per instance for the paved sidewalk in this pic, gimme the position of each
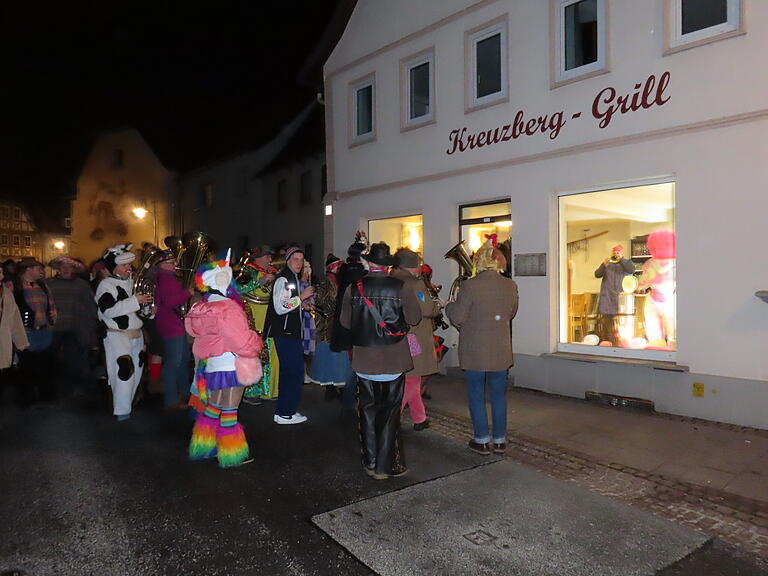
(709, 476)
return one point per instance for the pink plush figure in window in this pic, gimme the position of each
(659, 276)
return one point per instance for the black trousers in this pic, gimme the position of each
(379, 408)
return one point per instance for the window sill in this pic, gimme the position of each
(468, 109)
(673, 49)
(557, 83)
(594, 359)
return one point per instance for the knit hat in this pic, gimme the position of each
(408, 258)
(618, 249)
(164, 256)
(291, 251)
(118, 254)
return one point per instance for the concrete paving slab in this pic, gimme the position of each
(503, 518)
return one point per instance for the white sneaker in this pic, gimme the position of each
(295, 419)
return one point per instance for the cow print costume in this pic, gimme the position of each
(124, 341)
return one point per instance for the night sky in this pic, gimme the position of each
(199, 80)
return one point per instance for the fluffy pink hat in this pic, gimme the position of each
(662, 244)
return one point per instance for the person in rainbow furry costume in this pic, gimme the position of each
(227, 360)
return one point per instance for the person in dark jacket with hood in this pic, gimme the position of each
(341, 340)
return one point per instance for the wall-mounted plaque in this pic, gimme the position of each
(531, 264)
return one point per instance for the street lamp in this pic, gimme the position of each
(140, 212)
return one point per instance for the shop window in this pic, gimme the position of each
(404, 231)
(579, 39)
(417, 79)
(488, 76)
(694, 22)
(478, 221)
(617, 272)
(282, 195)
(305, 188)
(363, 110)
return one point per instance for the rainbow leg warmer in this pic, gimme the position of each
(203, 442)
(230, 439)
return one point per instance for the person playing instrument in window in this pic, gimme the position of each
(612, 271)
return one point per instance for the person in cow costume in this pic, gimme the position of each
(124, 341)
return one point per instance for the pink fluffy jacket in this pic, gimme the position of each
(221, 326)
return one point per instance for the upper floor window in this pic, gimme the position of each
(694, 22)
(282, 195)
(4, 239)
(487, 63)
(67, 222)
(16, 240)
(417, 80)
(363, 94)
(17, 213)
(580, 39)
(117, 158)
(305, 188)
(27, 241)
(5, 212)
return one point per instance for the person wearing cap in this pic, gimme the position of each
(330, 369)
(38, 313)
(483, 310)
(612, 271)
(170, 295)
(227, 353)
(378, 310)
(74, 333)
(424, 360)
(261, 275)
(124, 341)
(283, 323)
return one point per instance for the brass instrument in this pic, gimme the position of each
(434, 292)
(462, 258)
(190, 251)
(144, 283)
(245, 274)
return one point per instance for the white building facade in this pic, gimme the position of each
(568, 127)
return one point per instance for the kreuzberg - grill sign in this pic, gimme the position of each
(607, 104)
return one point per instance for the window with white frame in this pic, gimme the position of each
(617, 260)
(580, 39)
(418, 73)
(488, 75)
(363, 110)
(694, 22)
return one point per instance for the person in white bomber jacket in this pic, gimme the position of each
(124, 341)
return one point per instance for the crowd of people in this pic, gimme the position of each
(365, 332)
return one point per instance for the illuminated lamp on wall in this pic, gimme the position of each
(59, 245)
(329, 209)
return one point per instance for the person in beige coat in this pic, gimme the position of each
(425, 362)
(12, 332)
(482, 312)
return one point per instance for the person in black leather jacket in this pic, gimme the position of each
(379, 311)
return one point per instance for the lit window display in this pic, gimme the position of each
(477, 221)
(405, 231)
(617, 271)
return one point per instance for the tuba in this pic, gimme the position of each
(460, 255)
(144, 283)
(245, 275)
(190, 251)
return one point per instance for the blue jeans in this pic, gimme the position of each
(175, 375)
(497, 385)
(290, 352)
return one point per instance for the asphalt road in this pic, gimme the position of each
(83, 494)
